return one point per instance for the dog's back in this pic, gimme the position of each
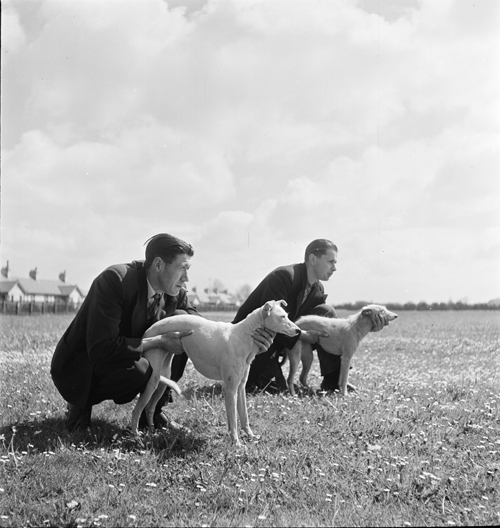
(202, 328)
(335, 328)
(207, 347)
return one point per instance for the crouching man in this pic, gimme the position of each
(99, 356)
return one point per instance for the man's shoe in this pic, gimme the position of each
(161, 421)
(251, 388)
(178, 427)
(328, 387)
(78, 418)
(261, 385)
(272, 388)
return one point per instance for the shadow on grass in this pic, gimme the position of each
(51, 434)
(216, 390)
(207, 391)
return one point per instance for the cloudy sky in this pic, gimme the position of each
(251, 127)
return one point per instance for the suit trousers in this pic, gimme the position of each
(120, 381)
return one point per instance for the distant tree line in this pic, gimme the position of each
(450, 305)
(241, 294)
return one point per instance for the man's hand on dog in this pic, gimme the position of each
(170, 341)
(312, 336)
(263, 338)
(379, 321)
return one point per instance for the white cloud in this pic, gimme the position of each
(250, 128)
(13, 37)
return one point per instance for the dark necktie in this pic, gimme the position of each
(154, 304)
(306, 293)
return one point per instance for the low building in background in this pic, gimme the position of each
(34, 289)
(10, 290)
(209, 300)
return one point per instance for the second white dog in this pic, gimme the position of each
(344, 336)
(220, 351)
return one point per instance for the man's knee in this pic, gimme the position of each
(325, 310)
(119, 382)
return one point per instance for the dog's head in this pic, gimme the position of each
(377, 311)
(276, 319)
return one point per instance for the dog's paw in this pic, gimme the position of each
(134, 438)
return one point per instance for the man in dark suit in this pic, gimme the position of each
(299, 285)
(99, 357)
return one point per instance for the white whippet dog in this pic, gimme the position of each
(344, 336)
(220, 351)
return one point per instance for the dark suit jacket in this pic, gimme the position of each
(107, 328)
(286, 283)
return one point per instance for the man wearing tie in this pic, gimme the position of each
(99, 357)
(300, 286)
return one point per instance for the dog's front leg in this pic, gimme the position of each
(306, 356)
(230, 396)
(345, 362)
(242, 406)
(293, 358)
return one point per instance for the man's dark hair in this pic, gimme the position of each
(167, 247)
(319, 247)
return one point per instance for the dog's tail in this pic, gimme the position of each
(171, 384)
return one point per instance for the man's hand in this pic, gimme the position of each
(312, 336)
(379, 321)
(170, 341)
(263, 338)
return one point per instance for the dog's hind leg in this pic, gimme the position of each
(307, 358)
(156, 358)
(155, 398)
(162, 383)
(141, 404)
(149, 410)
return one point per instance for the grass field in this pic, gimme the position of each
(418, 445)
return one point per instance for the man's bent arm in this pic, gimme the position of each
(104, 341)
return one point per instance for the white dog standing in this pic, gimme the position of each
(344, 336)
(219, 351)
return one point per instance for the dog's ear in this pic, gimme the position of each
(282, 302)
(268, 308)
(367, 311)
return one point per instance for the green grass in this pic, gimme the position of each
(419, 444)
